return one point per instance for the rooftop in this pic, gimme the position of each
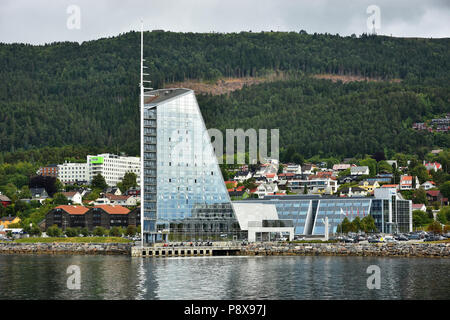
(162, 95)
(73, 209)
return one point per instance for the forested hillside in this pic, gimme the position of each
(319, 117)
(87, 94)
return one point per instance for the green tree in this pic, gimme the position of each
(420, 196)
(54, 231)
(128, 181)
(445, 189)
(60, 199)
(420, 219)
(131, 230)
(435, 227)
(98, 182)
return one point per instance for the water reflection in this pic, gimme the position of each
(311, 277)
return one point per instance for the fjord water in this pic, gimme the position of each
(300, 277)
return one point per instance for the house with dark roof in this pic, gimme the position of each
(436, 196)
(38, 193)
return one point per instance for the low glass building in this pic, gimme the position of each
(391, 213)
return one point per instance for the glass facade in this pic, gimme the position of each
(309, 212)
(185, 196)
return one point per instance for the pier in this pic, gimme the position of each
(185, 251)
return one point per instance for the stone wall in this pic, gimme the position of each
(348, 249)
(65, 248)
(264, 249)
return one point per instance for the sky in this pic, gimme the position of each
(46, 21)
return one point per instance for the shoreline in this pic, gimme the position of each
(439, 250)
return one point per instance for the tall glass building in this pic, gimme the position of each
(185, 196)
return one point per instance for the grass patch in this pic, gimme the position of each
(74, 240)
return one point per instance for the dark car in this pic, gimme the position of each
(374, 240)
(414, 236)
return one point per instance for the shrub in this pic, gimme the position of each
(115, 232)
(131, 231)
(54, 231)
(99, 231)
(71, 232)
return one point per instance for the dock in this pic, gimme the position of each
(185, 251)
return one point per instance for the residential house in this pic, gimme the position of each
(241, 176)
(271, 177)
(6, 221)
(406, 183)
(292, 168)
(133, 191)
(38, 194)
(419, 206)
(432, 166)
(266, 189)
(427, 185)
(369, 186)
(315, 185)
(120, 200)
(341, 167)
(353, 192)
(73, 196)
(436, 196)
(307, 169)
(4, 200)
(113, 190)
(359, 171)
(396, 186)
(436, 151)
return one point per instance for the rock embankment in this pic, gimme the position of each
(65, 248)
(349, 249)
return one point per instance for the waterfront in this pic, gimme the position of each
(289, 277)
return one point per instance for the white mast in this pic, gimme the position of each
(141, 106)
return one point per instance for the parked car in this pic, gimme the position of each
(373, 240)
(414, 236)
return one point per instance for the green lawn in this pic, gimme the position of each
(74, 240)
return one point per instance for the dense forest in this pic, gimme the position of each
(318, 117)
(87, 94)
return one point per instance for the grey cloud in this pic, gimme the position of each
(43, 21)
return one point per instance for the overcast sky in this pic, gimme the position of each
(43, 21)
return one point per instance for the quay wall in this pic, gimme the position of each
(65, 248)
(350, 249)
(259, 249)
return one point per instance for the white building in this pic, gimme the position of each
(427, 185)
(293, 168)
(73, 196)
(73, 172)
(113, 167)
(359, 171)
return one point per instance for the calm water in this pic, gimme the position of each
(121, 277)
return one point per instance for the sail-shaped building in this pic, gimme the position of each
(184, 195)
